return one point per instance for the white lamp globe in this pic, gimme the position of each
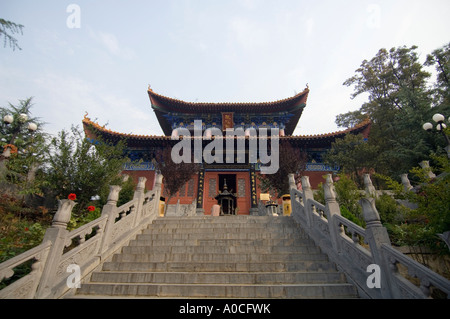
(23, 117)
(32, 127)
(8, 119)
(428, 126)
(438, 118)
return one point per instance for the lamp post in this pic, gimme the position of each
(22, 120)
(440, 127)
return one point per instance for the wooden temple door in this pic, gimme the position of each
(210, 191)
(237, 182)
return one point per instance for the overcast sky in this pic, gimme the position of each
(99, 56)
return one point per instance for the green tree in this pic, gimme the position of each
(13, 28)
(440, 58)
(433, 196)
(81, 166)
(27, 147)
(348, 197)
(175, 175)
(419, 226)
(399, 102)
(292, 161)
(354, 155)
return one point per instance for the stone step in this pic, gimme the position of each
(218, 278)
(192, 266)
(271, 242)
(229, 230)
(231, 219)
(219, 257)
(221, 224)
(162, 222)
(219, 235)
(340, 290)
(168, 222)
(220, 249)
(241, 257)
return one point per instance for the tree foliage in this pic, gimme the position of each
(440, 58)
(175, 175)
(292, 161)
(420, 225)
(7, 27)
(399, 102)
(29, 147)
(83, 167)
(354, 154)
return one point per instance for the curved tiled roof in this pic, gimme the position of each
(168, 104)
(163, 105)
(359, 128)
(89, 124)
(94, 128)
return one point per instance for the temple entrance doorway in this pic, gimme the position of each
(231, 182)
(238, 183)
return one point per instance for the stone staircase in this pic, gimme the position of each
(219, 257)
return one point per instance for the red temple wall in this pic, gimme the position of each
(211, 189)
(187, 196)
(150, 175)
(315, 178)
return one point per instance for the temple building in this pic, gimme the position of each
(235, 177)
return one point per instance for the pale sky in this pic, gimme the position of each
(99, 56)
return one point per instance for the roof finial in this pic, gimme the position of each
(307, 85)
(85, 115)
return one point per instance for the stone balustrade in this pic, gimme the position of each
(356, 250)
(87, 246)
(353, 248)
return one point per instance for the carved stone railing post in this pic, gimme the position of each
(406, 183)
(307, 194)
(292, 183)
(369, 188)
(332, 209)
(57, 234)
(426, 167)
(376, 235)
(157, 188)
(109, 210)
(158, 181)
(139, 195)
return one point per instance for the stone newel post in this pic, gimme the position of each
(369, 188)
(307, 195)
(63, 214)
(158, 181)
(332, 208)
(110, 210)
(376, 235)
(157, 188)
(139, 195)
(426, 166)
(406, 183)
(292, 181)
(57, 234)
(113, 196)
